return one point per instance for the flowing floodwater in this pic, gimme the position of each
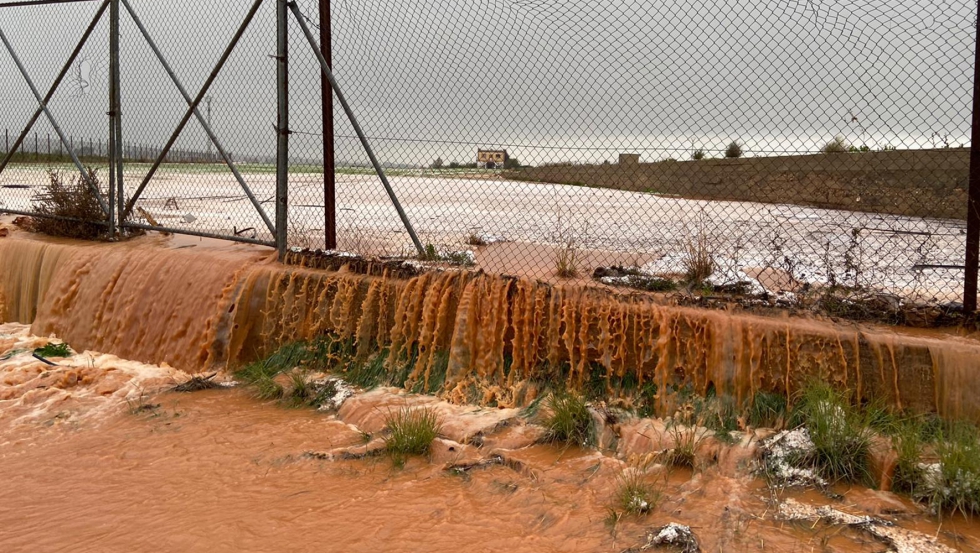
(466, 335)
(97, 455)
(139, 469)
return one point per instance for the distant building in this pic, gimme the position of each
(629, 159)
(491, 159)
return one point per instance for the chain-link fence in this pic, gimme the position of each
(766, 148)
(207, 171)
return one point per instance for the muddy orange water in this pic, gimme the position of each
(218, 471)
(94, 456)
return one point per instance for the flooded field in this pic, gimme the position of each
(913, 257)
(144, 469)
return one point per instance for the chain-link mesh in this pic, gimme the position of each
(765, 147)
(43, 39)
(769, 145)
(195, 189)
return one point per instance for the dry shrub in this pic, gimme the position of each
(699, 249)
(567, 256)
(836, 146)
(75, 201)
(566, 260)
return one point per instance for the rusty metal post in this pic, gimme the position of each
(282, 129)
(973, 202)
(329, 167)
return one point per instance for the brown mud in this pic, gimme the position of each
(505, 338)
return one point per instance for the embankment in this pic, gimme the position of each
(916, 183)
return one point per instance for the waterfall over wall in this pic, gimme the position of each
(202, 308)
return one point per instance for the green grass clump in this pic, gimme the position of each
(720, 415)
(957, 486)
(840, 434)
(370, 373)
(302, 356)
(287, 357)
(53, 350)
(767, 410)
(432, 254)
(686, 440)
(634, 495)
(411, 431)
(907, 439)
(266, 388)
(570, 420)
(301, 393)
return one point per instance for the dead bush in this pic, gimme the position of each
(699, 249)
(74, 202)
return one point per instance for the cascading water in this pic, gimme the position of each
(502, 338)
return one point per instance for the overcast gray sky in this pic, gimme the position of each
(577, 80)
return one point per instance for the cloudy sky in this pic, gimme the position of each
(571, 80)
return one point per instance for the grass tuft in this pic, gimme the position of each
(267, 388)
(721, 417)
(474, 239)
(907, 440)
(956, 487)
(634, 495)
(300, 392)
(370, 373)
(767, 410)
(566, 260)
(287, 357)
(431, 254)
(570, 420)
(53, 350)
(840, 433)
(411, 431)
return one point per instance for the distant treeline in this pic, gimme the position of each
(48, 148)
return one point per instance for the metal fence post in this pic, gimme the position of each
(282, 127)
(973, 201)
(115, 159)
(357, 127)
(329, 163)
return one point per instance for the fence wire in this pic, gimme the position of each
(766, 147)
(786, 145)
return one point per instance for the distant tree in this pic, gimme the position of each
(734, 150)
(437, 164)
(454, 165)
(698, 154)
(512, 163)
